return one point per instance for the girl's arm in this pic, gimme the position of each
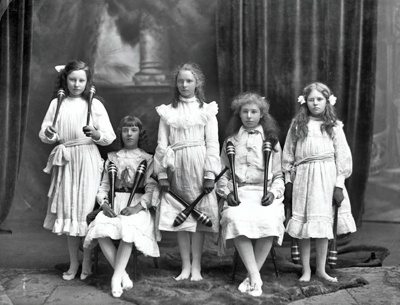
(101, 122)
(277, 184)
(48, 121)
(104, 187)
(224, 184)
(288, 155)
(163, 134)
(150, 185)
(343, 158)
(213, 162)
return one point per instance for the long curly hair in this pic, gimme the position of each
(130, 121)
(302, 117)
(200, 82)
(61, 81)
(268, 123)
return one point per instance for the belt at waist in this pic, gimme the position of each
(317, 158)
(139, 190)
(252, 184)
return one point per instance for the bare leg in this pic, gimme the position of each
(246, 252)
(86, 263)
(321, 248)
(305, 248)
(110, 253)
(73, 249)
(197, 250)
(261, 250)
(108, 249)
(184, 249)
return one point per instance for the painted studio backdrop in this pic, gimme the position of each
(274, 47)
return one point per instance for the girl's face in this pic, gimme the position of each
(316, 103)
(250, 115)
(76, 82)
(186, 83)
(130, 136)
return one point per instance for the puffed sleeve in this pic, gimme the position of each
(277, 184)
(213, 162)
(102, 123)
(162, 144)
(150, 185)
(343, 158)
(48, 121)
(104, 187)
(288, 155)
(224, 184)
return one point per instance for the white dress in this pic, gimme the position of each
(187, 152)
(138, 228)
(75, 164)
(250, 218)
(316, 165)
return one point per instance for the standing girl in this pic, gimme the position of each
(75, 164)
(133, 224)
(254, 217)
(187, 161)
(316, 161)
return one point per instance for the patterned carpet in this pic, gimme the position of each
(157, 286)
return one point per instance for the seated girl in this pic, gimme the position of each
(133, 224)
(251, 219)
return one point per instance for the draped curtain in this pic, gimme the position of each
(15, 56)
(276, 47)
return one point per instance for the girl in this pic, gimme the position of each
(316, 161)
(133, 224)
(75, 163)
(187, 161)
(254, 217)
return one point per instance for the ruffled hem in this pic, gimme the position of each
(65, 226)
(190, 119)
(252, 230)
(145, 244)
(315, 229)
(346, 224)
(121, 228)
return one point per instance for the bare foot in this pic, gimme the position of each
(184, 275)
(325, 276)
(116, 288)
(126, 282)
(306, 276)
(71, 273)
(196, 275)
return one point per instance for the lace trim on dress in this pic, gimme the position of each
(127, 162)
(201, 117)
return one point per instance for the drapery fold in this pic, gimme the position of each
(15, 56)
(276, 47)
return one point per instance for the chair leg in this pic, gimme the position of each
(134, 250)
(273, 256)
(155, 262)
(234, 264)
(96, 251)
